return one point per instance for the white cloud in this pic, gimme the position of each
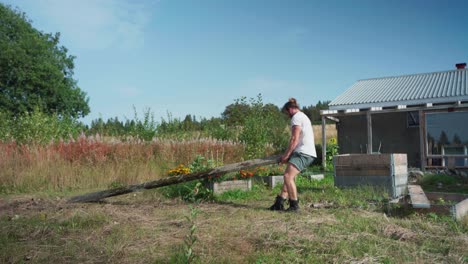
(92, 24)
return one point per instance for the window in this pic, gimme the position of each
(413, 119)
(447, 134)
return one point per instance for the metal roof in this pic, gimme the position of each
(415, 89)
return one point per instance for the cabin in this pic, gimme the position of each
(423, 115)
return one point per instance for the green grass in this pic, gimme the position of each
(444, 183)
(234, 227)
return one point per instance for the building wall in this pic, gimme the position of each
(390, 134)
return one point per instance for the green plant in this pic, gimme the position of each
(200, 192)
(192, 192)
(116, 184)
(201, 164)
(191, 238)
(37, 127)
(263, 128)
(145, 128)
(332, 149)
(5, 127)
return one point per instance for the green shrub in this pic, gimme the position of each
(5, 127)
(332, 150)
(145, 128)
(38, 127)
(263, 130)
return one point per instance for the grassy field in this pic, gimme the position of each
(331, 132)
(351, 226)
(91, 162)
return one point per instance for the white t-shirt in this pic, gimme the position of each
(306, 143)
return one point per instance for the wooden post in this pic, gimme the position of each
(465, 152)
(97, 196)
(369, 133)
(324, 143)
(442, 151)
(422, 140)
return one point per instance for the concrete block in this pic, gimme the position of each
(271, 181)
(418, 198)
(316, 177)
(220, 187)
(460, 210)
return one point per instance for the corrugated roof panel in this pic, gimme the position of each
(411, 89)
(430, 84)
(419, 89)
(444, 89)
(407, 92)
(464, 82)
(434, 91)
(392, 84)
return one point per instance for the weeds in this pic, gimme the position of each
(93, 162)
(191, 238)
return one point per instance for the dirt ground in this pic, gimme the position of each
(145, 227)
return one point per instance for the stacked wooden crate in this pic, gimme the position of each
(386, 170)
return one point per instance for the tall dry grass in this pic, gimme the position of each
(330, 132)
(91, 162)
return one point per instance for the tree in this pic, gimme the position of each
(456, 139)
(443, 139)
(313, 112)
(234, 114)
(35, 72)
(263, 127)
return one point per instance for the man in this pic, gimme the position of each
(298, 156)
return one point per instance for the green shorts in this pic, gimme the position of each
(300, 161)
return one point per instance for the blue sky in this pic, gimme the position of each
(198, 56)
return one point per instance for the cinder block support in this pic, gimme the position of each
(220, 187)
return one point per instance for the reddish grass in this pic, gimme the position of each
(92, 162)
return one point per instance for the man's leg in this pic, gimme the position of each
(289, 189)
(284, 190)
(289, 182)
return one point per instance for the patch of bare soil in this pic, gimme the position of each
(28, 205)
(398, 233)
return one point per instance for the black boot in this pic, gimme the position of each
(293, 206)
(279, 204)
